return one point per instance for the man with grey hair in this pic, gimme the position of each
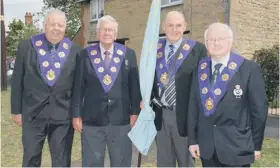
(41, 92)
(228, 105)
(106, 98)
(177, 58)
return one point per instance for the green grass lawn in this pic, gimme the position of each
(11, 147)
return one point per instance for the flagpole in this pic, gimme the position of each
(3, 50)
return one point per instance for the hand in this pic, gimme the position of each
(133, 119)
(17, 119)
(257, 155)
(142, 105)
(194, 150)
(77, 124)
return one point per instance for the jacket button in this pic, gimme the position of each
(214, 125)
(109, 100)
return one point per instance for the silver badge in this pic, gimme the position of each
(237, 91)
(126, 64)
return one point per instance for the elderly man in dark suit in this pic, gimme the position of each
(41, 92)
(106, 100)
(177, 58)
(228, 105)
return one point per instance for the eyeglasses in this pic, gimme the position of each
(219, 39)
(104, 30)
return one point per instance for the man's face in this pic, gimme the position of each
(218, 41)
(174, 27)
(107, 32)
(55, 27)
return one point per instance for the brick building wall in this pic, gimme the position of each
(255, 23)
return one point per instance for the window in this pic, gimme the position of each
(166, 3)
(96, 9)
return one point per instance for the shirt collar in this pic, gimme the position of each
(176, 44)
(103, 50)
(223, 61)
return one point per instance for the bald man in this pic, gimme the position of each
(228, 105)
(177, 58)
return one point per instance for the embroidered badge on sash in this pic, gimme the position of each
(204, 90)
(61, 54)
(217, 91)
(232, 65)
(113, 69)
(93, 52)
(42, 52)
(97, 60)
(119, 52)
(38, 43)
(209, 103)
(203, 76)
(163, 77)
(50, 75)
(159, 55)
(65, 46)
(100, 69)
(225, 77)
(116, 60)
(57, 65)
(45, 64)
(159, 45)
(107, 79)
(203, 65)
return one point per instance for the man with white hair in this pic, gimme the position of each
(228, 105)
(106, 98)
(41, 92)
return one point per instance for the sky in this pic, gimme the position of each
(17, 9)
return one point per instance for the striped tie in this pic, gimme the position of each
(53, 51)
(170, 93)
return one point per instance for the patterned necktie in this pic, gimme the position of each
(107, 58)
(53, 51)
(215, 73)
(170, 93)
(171, 52)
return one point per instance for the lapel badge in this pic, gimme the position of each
(232, 65)
(160, 66)
(38, 43)
(237, 91)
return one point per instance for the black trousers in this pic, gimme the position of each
(60, 138)
(214, 162)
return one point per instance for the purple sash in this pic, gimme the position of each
(50, 67)
(211, 96)
(162, 68)
(106, 76)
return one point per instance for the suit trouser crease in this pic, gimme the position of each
(171, 147)
(95, 139)
(60, 139)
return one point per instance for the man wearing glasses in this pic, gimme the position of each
(228, 105)
(106, 98)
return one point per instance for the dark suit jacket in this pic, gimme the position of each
(98, 108)
(183, 80)
(237, 127)
(31, 96)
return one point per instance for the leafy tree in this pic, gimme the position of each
(72, 11)
(18, 31)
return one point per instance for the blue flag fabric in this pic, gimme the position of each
(144, 130)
